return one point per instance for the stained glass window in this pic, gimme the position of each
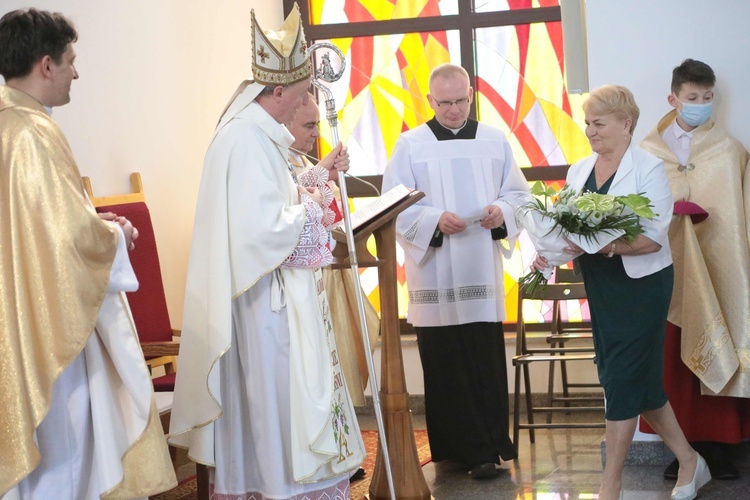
(382, 92)
(501, 5)
(518, 75)
(341, 11)
(520, 89)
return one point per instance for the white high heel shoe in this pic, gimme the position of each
(700, 478)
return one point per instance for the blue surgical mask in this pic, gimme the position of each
(696, 114)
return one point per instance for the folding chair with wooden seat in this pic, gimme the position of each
(526, 355)
(563, 332)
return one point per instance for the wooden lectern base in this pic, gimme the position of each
(408, 479)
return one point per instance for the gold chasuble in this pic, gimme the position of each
(711, 298)
(55, 259)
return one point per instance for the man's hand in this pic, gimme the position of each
(449, 223)
(313, 193)
(493, 217)
(131, 233)
(335, 161)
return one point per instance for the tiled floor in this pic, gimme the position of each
(565, 464)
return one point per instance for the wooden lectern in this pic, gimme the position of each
(408, 480)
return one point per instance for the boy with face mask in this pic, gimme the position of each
(707, 344)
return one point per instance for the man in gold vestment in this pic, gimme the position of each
(77, 418)
(707, 343)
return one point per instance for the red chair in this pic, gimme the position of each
(148, 304)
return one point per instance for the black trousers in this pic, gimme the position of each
(466, 392)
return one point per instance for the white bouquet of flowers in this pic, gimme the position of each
(590, 220)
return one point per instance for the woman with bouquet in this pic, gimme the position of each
(629, 287)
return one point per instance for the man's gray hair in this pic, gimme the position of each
(268, 90)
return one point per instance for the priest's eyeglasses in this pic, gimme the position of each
(457, 102)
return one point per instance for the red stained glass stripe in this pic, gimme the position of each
(357, 13)
(554, 30)
(361, 52)
(521, 131)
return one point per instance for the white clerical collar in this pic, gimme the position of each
(678, 131)
(48, 109)
(455, 130)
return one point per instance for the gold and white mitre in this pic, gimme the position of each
(280, 57)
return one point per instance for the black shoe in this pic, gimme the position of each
(671, 471)
(358, 474)
(721, 467)
(720, 459)
(483, 471)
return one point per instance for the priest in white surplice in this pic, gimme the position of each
(77, 417)
(261, 397)
(452, 241)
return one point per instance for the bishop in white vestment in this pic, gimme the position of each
(261, 397)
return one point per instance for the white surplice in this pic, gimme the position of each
(462, 281)
(101, 404)
(258, 394)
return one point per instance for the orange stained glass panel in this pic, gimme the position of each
(357, 11)
(504, 5)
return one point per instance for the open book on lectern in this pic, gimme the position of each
(379, 206)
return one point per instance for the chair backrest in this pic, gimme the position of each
(566, 275)
(148, 304)
(551, 291)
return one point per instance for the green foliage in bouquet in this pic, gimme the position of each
(586, 214)
(589, 214)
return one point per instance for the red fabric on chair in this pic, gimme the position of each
(148, 305)
(165, 383)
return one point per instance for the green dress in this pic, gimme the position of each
(629, 318)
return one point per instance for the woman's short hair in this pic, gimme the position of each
(615, 100)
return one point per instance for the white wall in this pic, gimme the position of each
(154, 77)
(637, 43)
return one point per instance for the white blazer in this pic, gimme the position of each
(639, 172)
